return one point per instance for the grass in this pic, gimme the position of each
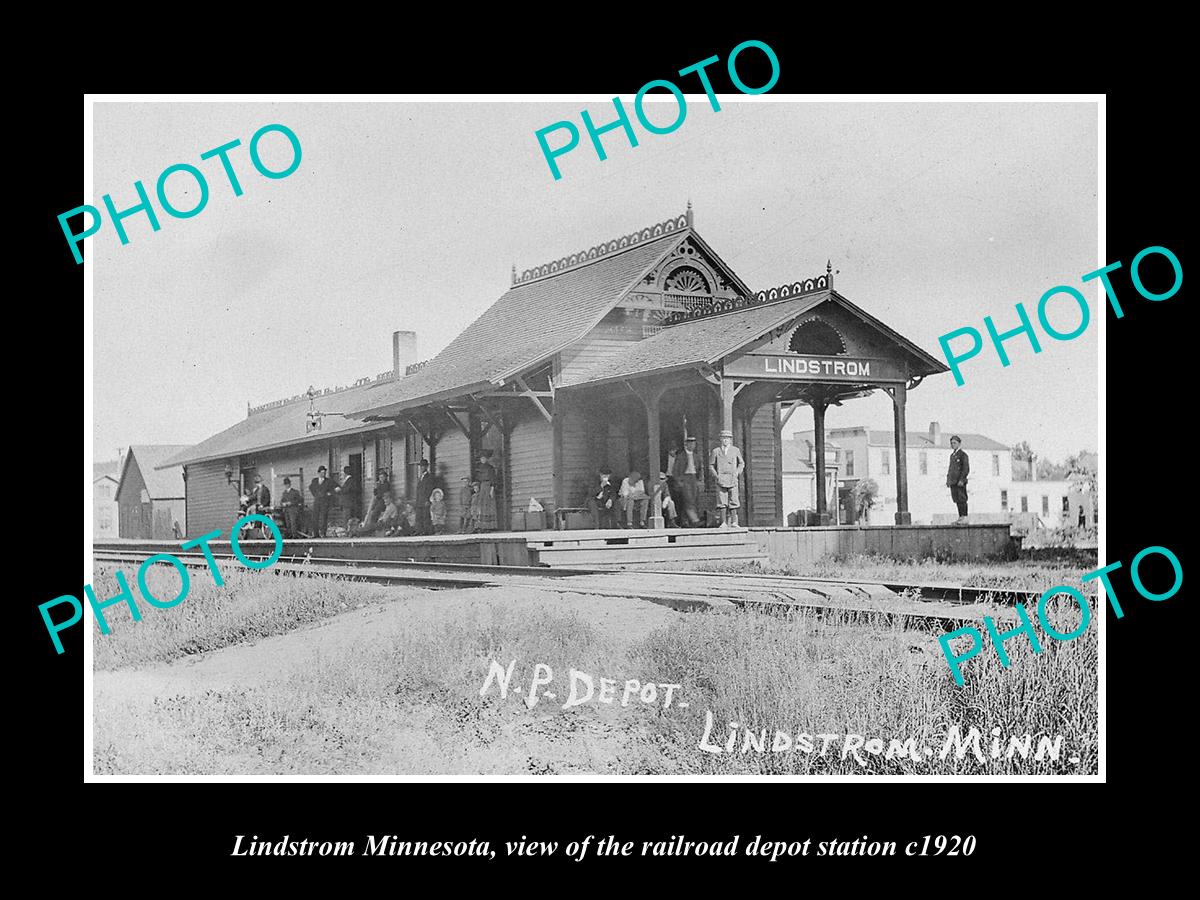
(797, 674)
(406, 700)
(247, 607)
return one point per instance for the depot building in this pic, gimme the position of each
(608, 357)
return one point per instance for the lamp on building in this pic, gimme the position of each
(228, 473)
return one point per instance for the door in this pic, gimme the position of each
(145, 516)
(355, 462)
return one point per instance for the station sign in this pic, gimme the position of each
(798, 367)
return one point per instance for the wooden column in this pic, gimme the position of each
(651, 395)
(557, 454)
(727, 404)
(899, 398)
(818, 407)
(655, 518)
(747, 509)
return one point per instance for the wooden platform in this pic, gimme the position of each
(592, 548)
(792, 546)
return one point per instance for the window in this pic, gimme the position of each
(105, 491)
(1024, 503)
(995, 463)
(849, 462)
(1045, 505)
(1066, 505)
(1004, 501)
(886, 456)
(923, 461)
(106, 518)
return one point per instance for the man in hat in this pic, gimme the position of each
(603, 500)
(634, 499)
(726, 464)
(290, 501)
(321, 488)
(349, 493)
(686, 471)
(663, 489)
(260, 496)
(956, 477)
(425, 488)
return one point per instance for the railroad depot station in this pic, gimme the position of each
(610, 357)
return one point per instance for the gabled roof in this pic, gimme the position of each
(708, 340)
(794, 453)
(698, 341)
(161, 484)
(547, 310)
(110, 469)
(281, 425)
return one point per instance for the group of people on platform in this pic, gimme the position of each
(678, 487)
(389, 513)
(612, 504)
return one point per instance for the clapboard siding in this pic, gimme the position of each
(454, 464)
(576, 455)
(596, 346)
(764, 462)
(531, 465)
(212, 503)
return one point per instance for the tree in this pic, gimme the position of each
(1022, 456)
(864, 494)
(1051, 471)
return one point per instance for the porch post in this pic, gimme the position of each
(818, 408)
(899, 398)
(727, 404)
(655, 518)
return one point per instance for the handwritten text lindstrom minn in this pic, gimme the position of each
(760, 741)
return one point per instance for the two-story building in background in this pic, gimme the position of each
(105, 478)
(1061, 502)
(867, 453)
(799, 471)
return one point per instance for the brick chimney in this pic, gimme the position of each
(404, 351)
(935, 434)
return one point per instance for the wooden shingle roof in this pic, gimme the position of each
(547, 308)
(529, 324)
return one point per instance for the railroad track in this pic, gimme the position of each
(686, 591)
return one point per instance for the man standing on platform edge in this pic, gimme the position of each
(291, 502)
(726, 464)
(425, 488)
(956, 477)
(321, 489)
(685, 470)
(348, 493)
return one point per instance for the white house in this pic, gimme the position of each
(799, 467)
(866, 453)
(1060, 502)
(105, 478)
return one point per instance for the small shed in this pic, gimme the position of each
(150, 501)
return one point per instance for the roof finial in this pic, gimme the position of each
(829, 273)
(514, 273)
(689, 212)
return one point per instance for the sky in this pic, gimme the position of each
(411, 216)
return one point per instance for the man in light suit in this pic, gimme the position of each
(726, 464)
(349, 493)
(956, 477)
